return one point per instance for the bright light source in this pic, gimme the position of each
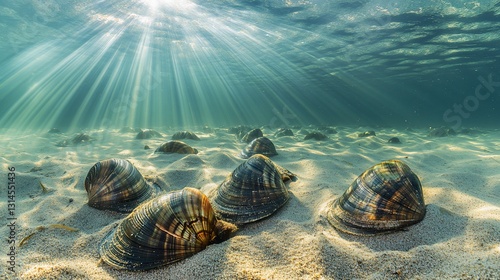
(170, 4)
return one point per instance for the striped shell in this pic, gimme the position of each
(387, 197)
(253, 191)
(115, 184)
(164, 230)
(175, 146)
(185, 135)
(147, 134)
(251, 135)
(261, 145)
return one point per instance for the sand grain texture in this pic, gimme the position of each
(458, 239)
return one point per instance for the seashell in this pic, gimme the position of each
(128, 129)
(261, 145)
(302, 132)
(239, 130)
(367, 133)
(394, 140)
(63, 143)
(185, 135)
(387, 197)
(327, 130)
(316, 136)
(253, 191)
(251, 135)
(441, 132)
(283, 132)
(115, 184)
(164, 230)
(81, 138)
(175, 146)
(147, 134)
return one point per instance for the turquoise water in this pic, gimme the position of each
(159, 63)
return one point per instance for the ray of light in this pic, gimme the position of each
(177, 65)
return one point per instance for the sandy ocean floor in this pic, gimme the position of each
(458, 239)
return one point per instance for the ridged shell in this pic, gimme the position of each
(251, 135)
(253, 191)
(164, 230)
(115, 184)
(185, 135)
(175, 146)
(147, 134)
(387, 197)
(261, 145)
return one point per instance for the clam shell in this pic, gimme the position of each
(147, 134)
(386, 197)
(185, 135)
(81, 138)
(164, 230)
(316, 136)
(261, 145)
(251, 135)
(175, 146)
(115, 184)
(283, 132)
(253, 191)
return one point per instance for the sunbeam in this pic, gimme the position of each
(187, 62)
(179, 65)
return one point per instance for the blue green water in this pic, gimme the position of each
(158, 63)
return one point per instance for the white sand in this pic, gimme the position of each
(459, 237)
